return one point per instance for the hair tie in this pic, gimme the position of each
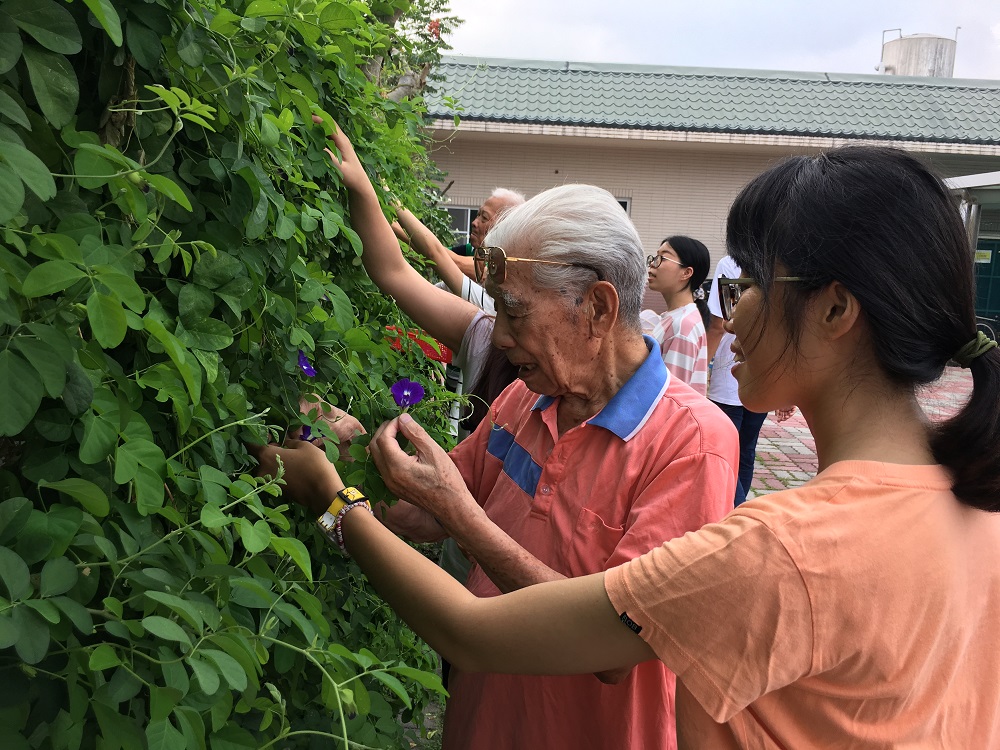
(975, 348)
(699, 293)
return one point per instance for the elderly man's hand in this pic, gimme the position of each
(310, 479)
(429, 479)
(349, 165)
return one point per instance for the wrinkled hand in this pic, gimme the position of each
(338, 421)
(310, 479)
(429, 479)
(781, 415)
(349, 166)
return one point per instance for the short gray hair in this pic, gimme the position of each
(580, 224)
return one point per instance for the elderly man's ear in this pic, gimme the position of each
(602, 308)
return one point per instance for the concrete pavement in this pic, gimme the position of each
(786, 452)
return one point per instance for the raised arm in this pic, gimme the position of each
(563, 627)
(427, 244)
(443, 315)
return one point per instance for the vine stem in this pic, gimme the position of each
(209, 434)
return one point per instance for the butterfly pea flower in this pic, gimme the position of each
(406, 393)
(305, 365)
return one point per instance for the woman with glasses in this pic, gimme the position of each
(858, 610)
(677, 272)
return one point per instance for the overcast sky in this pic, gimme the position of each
(837, 36)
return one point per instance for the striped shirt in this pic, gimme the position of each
(681, 336)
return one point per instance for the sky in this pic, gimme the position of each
(842, 36)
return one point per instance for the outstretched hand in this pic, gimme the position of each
(337, 421)
(310, 479)
(428, 479)
(348, 164)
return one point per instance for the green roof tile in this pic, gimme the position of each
(719, 100)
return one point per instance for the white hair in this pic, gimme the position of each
(584, 225)
(509, 198)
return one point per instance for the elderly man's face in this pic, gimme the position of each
(544, 334)
(481, 225)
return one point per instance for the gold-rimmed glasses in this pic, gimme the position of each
(494, 260)
(731, 289)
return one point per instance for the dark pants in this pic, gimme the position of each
(748, 423)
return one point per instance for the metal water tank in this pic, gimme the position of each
(919, 55)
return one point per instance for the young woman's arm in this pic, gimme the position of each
(424, 242)
(563, 627)
(442, 314)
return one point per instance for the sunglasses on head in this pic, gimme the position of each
(492, 262)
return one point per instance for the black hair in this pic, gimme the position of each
(694, 255)
(497, 373)
(882, 224)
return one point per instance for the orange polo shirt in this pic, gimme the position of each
(859, 611)
(659, 460)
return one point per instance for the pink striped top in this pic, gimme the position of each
(681, 336)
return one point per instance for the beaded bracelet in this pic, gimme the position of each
(338, 530)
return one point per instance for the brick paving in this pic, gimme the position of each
(786, 452)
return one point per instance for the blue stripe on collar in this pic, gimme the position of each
(630, 408)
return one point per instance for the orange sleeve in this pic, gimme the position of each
(725, 608)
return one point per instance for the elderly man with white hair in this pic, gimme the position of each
(594, 456)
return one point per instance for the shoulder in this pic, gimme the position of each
(686, 423)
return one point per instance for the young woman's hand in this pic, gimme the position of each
(348, 164)
(310, 479)
(338, 421)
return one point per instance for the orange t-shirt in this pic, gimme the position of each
(858, 611)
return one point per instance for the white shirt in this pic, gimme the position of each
(722, 387)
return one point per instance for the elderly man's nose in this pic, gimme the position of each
(501, 335)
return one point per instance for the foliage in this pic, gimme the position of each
(172, 237)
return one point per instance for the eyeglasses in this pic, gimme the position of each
(731, 289)
(654, 261)
(494, 260)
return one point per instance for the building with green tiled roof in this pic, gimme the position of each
(675, 144)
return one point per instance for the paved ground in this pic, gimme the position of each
(786, 452)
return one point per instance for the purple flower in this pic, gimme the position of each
(305, 365)
(407, 393)
(306, 433)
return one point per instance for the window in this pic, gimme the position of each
(625, 203)
(461, 223)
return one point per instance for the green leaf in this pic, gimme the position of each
(51, 25)
(125, 287)
(162, 735)
(9, 632)
(99, 438)
(14, 575)
(76, 613)
(208, 334)
(10, 44)
(11, 193)
(149, 491)
(33, 644)
(169, 188)
(92, 169)
(228, 667)
(50, 277)
(393, 684)
(208, 676)
(107, 319)
(12, 110)
(256, 537)
(46, 361)
(185, 609)
(79, 391)
(14, 514)
(58, 577)
(265, 8)
(29, 168)
(296, 550)
(88, 494)
(428, 680)
(106, 14)
(189, 47)
(213, 518)
(22, 389)
(169, 630)
(103, 657)
(55, 84)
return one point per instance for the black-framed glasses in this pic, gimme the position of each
(731, 289)
(494, 260)
(654, 261)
